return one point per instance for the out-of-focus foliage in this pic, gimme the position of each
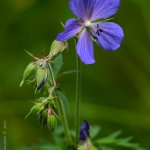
(111, 142)
(115, 90)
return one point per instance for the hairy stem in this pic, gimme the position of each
(77, 106)
(62, 109)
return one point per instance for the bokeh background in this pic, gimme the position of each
(115, 90)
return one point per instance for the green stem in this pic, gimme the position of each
(77, 106)
(62, 110)
(65, 122)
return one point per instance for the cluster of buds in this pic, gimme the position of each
(47, 112)
(40, 72)
(36, 72)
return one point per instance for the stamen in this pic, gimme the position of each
(98, 32)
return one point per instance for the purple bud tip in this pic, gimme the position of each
(84, 131)
(42, 84)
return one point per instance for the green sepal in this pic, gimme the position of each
(56, 48)
(62, 24)
(53, 105)
(51, 122)
(35, 109)
(41, 77)
(30, 69)
(32, 55)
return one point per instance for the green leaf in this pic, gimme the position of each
(94, 131)
(115, 134)
(64, 100)
(57, 65)
(126, 143)
(113, 140)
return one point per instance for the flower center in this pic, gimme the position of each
(87, 23)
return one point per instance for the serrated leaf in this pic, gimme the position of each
(115, 134)
(64, 100)
(126, 143)
(111, 139)
(114, 141)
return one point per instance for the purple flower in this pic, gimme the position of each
(91, 25)
(84, 131)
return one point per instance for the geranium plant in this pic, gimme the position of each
(92, 24)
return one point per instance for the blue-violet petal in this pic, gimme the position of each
(104, 9)
(108, 35)
(71, 30)
(85, 48)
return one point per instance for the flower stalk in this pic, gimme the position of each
(62, 109)
(78, 97)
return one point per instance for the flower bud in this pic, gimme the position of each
(84, 131)
(41, 77)
(51, 121)
(56, 48)
(28, 72)
(41, 63)
(35, 109)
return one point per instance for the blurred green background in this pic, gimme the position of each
(115, 90)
